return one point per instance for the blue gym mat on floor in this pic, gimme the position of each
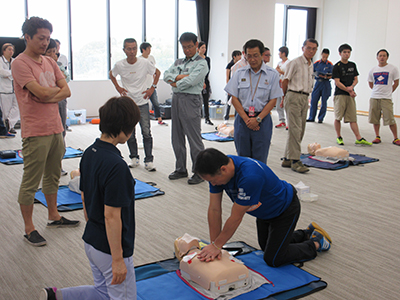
(358, 159)
(213, 136)
(68, 200)
(159, 280)
(69, 153)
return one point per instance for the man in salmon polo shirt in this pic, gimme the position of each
(39, 86)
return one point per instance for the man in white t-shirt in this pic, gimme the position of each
(133, 72)
(383, 79)
(145, 49)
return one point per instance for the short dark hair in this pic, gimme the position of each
(129, 40)
(201, 44)
(285, 50)
(144, 46)
(266, 49)
(236, 53)
(326, 51)
(344, 47)
(310, 40)
(188, 37)
(52, 44)
(209, 162)
(57, 41)
(118, 114)
(32, 24)
(254, 44)
(382, 50)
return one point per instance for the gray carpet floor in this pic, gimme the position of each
(358, 206)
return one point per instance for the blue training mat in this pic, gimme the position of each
(69, 153)
(289, 282)
(213, 136)
(358, 159)
(68, 200)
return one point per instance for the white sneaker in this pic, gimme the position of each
(134, 163)
(149, 166)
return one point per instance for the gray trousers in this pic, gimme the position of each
(296, 106)
(280, 110)
(62, 109)
(186, 121)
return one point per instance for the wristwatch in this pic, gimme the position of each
(258, 119)
(154, 86)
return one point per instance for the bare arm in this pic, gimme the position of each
(120, 90)
(395, 85)
(49, 94)
(215, 215)
(371, 84)
(84, 207)
(113, 222)
(227, 74)
(212, 251)
(150, 91)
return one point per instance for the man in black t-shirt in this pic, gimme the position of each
(345, 75)
(236, 56)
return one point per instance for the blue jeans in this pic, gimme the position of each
(144, 123)
(322, 89)
(102, 289)
(156, 105)
(250, 143)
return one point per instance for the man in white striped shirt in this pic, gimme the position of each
(297, 85)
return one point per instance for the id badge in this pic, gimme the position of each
(251, 111)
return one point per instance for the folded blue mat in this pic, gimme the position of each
(358, 159)
(213, 136)
(69, 153)
(154, 281)
(68, 200)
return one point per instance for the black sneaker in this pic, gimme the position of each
(195, 179)
(48, 294)
(177, 175)
(35, 239)
(63, 222)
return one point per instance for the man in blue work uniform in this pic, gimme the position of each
(254, 189)
(322, 88)
(254, 89)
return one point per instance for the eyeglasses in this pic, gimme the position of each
(255, 56)
(187, 47)
(311, 48)
(131, 49)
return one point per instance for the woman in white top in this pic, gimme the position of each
(8, 101)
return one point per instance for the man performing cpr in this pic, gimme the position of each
(256, 190)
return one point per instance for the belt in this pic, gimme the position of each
(303, 93)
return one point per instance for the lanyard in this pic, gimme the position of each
(251, 86)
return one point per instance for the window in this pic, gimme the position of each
(293, 25)
(12, 18)
(47, 10)
(92, 34)
(160, 31)
(187, 20)
(125, 22)
(89, 39)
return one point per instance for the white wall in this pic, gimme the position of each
(90, 95)
(233, 22)
(367, 25)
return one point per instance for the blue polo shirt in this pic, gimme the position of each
(107, 180)
(242, 86)
(255, 185)
(322, 68)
